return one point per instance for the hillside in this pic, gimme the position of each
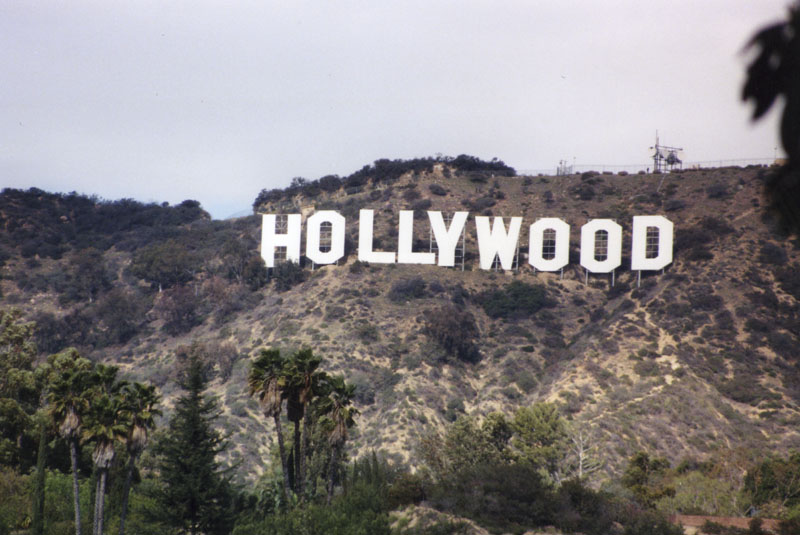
(700, 358)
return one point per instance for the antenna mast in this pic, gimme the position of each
(665, 159)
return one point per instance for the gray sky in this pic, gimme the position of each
(214, 101)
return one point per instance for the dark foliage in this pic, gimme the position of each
(121, 313)
(650, 523)
(47, 224)
(717, 191)
(85, 278)
(775, 479)
(330, 183)
(420, 206)
(716, 226)
(195, 489)
(386, 171)
(407, 289)
(266, 196)
(746, 389)
(773, 74)
(407, 489)
(580, 509)
(179, 307)
(255, 274)
(585, 192)
(468, 163)
(674, 205)
(480, 204)
(54, 333)
(165, 264)
(789, 279)
(411, 194)
(702, 297)
(503, 498)
(692, 237)
(436, 189)
(287, 274)
(455, 330)
(772, 254)
(359, 511)
(515, 300)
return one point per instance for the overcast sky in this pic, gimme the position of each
(166, 101)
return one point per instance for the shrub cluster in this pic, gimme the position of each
(515, 300)
(407, 289)
(455, 330)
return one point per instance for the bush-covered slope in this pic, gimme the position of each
(701, 357)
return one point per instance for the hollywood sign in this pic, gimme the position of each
(601, 241)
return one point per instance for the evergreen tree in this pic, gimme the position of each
(196, 490)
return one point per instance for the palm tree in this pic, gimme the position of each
(267, 381)
(104, 426)
(139, 411)
(338, 417)
(69, 402)
(303, 379)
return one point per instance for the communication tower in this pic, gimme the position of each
(665, 159)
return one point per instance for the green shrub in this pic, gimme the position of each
(407, 489)
(405, 290)
(717, 191)
(515, 300)
(772, 254)
(455, 330)
(650, 523)
(499, 497)
(287, 274)
(436, 189)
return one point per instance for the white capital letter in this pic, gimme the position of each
(560, 249)
(405, 238)
(313, 225)
(447, 239)
(614, 246)
(639, 249)
(270, 240)
(497, 242)
(365, 252)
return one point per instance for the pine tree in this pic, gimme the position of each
(196, 490)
